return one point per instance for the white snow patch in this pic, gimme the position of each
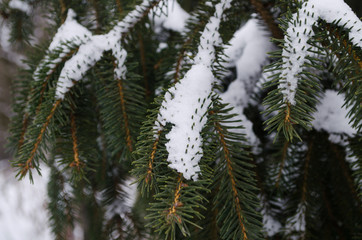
(186, 103)
(20, 5)
(70, 30)
(297, 223)
(332, 117)
(271, 225)
(23, 213)
(171, 16)
(6, 49)
(185, 107)
(248, 52)
(300, 31)
(161, 46)
(122, 206)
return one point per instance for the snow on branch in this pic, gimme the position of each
(70, 30)
(247, 51)
(170, 16)
(186, 103)
(21, 6)
(92, 50)
(331, 117)
(296, 47)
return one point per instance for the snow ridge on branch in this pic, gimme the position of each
(186, 103)
(92, 50)
(296, 47)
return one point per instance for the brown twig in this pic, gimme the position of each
(76, 162)
(267, 18)
(176, 201)
(119, 6)
(63, 9)
(150, 163)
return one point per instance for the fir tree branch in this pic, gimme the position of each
(63, 11)
(23, 130)
(41, 93)
(125, 117)
(143, 64)
(232, 179)
(346, 173)
(50, 74)
(152, 158)
(282, 162)
(306, 170)
(347, 45)
(145, 14)
(119, 6)
(29, 163)
(95, 5)
(124, 112)
(176, 200)
(113, 41)
(184, 48)
(76, 162)
(331, 215)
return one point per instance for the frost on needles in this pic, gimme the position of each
(186, 103)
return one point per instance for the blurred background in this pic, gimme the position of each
(23, 205)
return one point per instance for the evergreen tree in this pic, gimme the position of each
(218, 148)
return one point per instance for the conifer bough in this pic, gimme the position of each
(144, 92)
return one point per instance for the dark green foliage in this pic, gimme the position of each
(104, 133)
(234, 182)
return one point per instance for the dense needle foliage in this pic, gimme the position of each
(123, 92)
